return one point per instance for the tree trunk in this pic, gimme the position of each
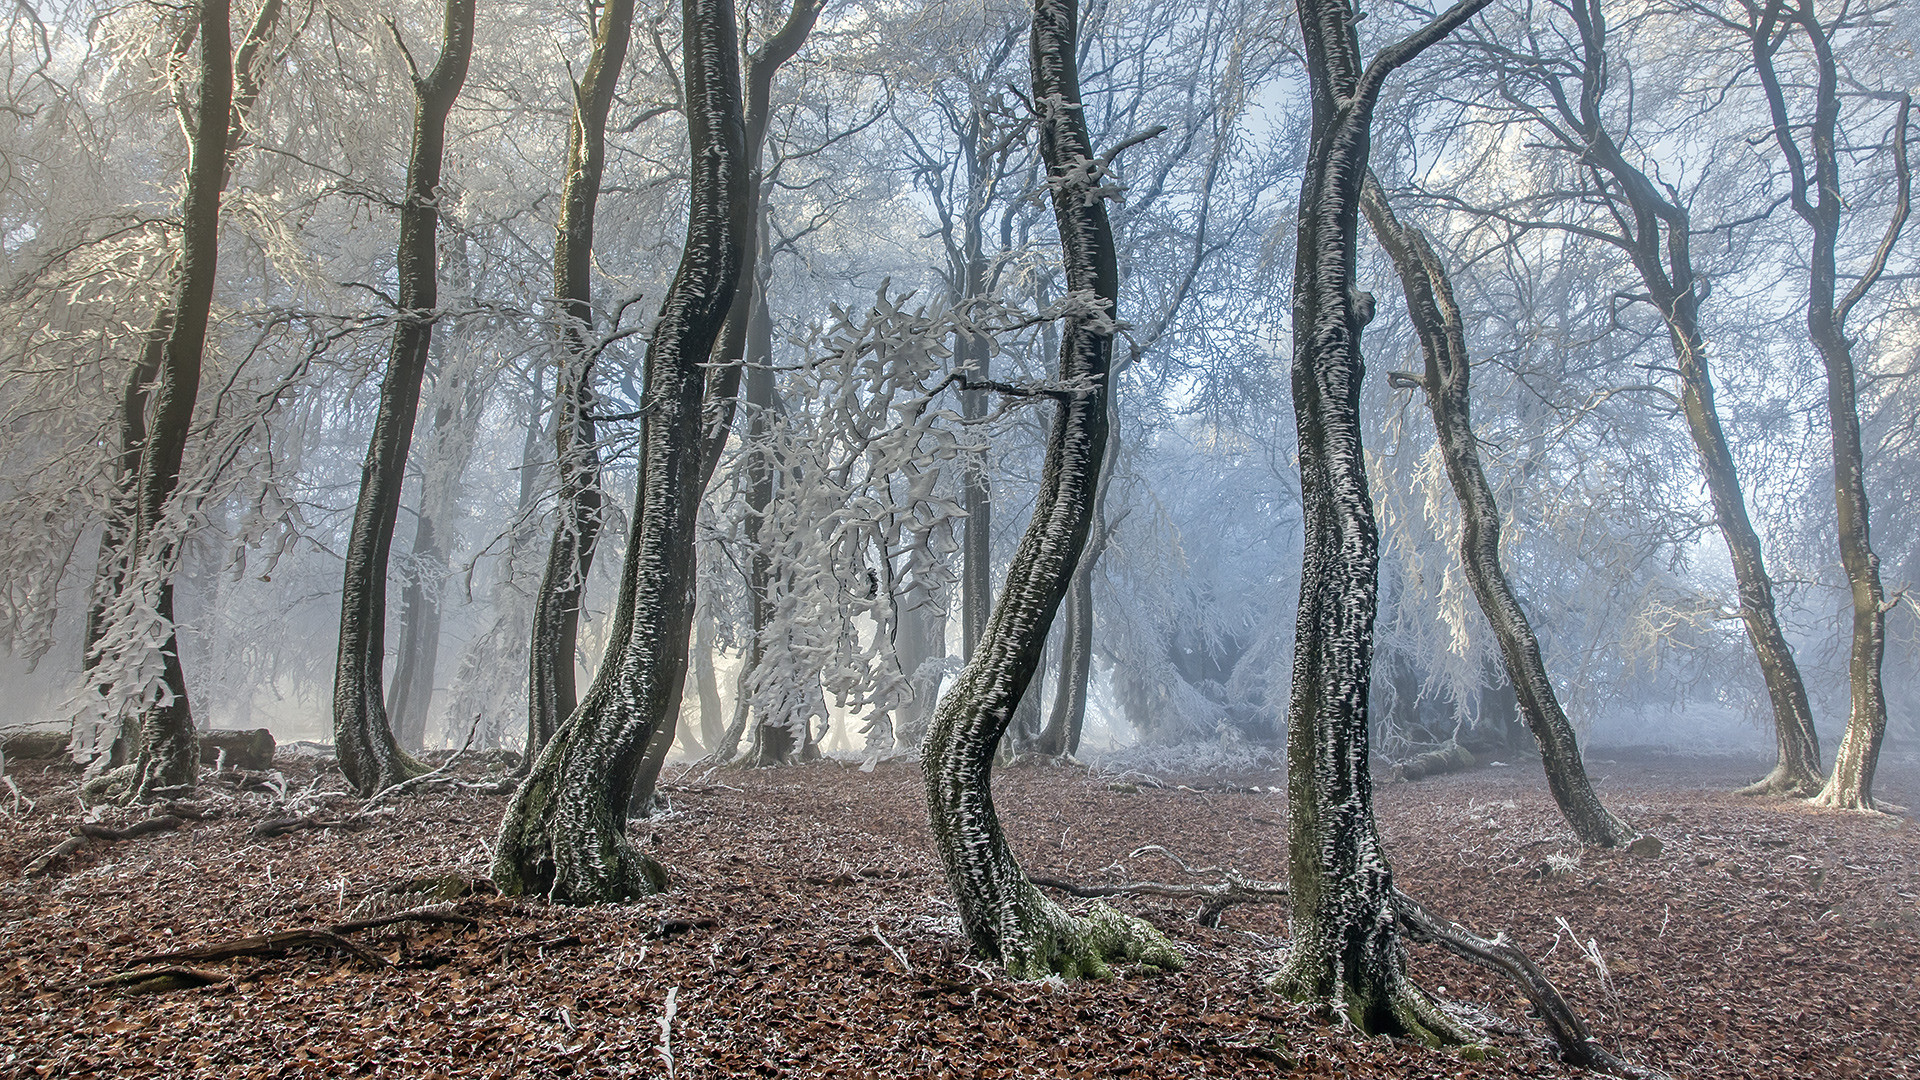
(1345, 953)
(1819, 202)
(1443, 341)
(369, 757)
(116, 550)
(551, 695)
(419, 648)
(167, 755)
(564, 834)
(1005, 915)
(712, 720)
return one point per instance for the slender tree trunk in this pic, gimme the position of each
(1005, 915)
(1436, 318)
(419, 646)
(564, 835)
(1345, 952)
(1818, 200)
(556, 612)
(713, 722)
(168, 756)
(369, 757)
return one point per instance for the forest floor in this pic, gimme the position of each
(808, 934)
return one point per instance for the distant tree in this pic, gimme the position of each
(363, 738)
(1813, 147)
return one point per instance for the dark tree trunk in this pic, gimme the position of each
(1818, 200)
(1443, 341)
(1005, 915)
(1345, 953)
(551, 695)
(167, 754)
(419, 647)
(369, 757)
(564, 832)
(115, 552)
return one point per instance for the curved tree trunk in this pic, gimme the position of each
(1345, 953)
(362, 736)
(1817, 199)
(1436, 318)
(1005, 915)
(564, 832)
(551, 695)
(167, 756)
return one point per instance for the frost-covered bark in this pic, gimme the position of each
(1814, 172)
(167, 756)
(1345, 953)
(1443, 342)
(369, 757)
(564, 833)
(1005, 915)
(551, 696)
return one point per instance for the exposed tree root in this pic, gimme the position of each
(1038, 938)
(87, 833)
(1781, 782)
(1569, 1032)
(1215, 897)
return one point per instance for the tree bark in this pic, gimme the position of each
(1443, 342)
(564, 834)
(1005, 915)
(167, 755)
(1345, 953)
(363, 739)
(1818, 201)
(551, 694)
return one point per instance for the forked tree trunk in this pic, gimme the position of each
(1005, 914)
(167, 756)
(363, 739)
(1443, 341)
(1819, 202)
(564, 833)
(1345, 953)
(551, 695)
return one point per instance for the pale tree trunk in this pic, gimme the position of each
(1818, 200)
(1655, 233)
(564, 832)
(168, 756)
(1345, 953)
(1005, 915)
(712, 720)
(1443, 341)
(551, 695)
(363, 739)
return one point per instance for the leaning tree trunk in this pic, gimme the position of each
(1068, 717)
(1817, 199)
(564, 833)
(168, 755)
(551, 695)
(369, 757)
(1005, 914)
(1345, 953)
(1658, 243)
(1443, 341)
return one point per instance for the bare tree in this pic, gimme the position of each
(1005, 914)
(1812, 148)
(1443, 343)
(363, 738)
(1345, 952)
(564, 831)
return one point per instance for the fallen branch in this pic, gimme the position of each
(1569, 1032)
(87, 833)
(440, 913)
(423, 778)
(281, 826)
(157, 981)
(278, 943)
(1215, 897)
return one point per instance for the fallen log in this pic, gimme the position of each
(232, 749)
(1450, 758)
(36, 743)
